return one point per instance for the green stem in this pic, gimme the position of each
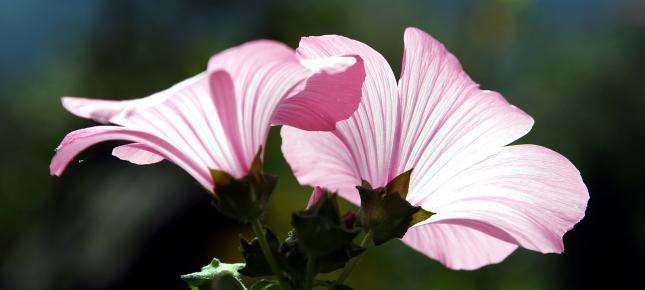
(311, 272)
(350, 266)
(258, 229)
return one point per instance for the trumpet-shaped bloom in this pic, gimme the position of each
(220, 118)
(488, 198)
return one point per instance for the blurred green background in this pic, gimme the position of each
(575, 66)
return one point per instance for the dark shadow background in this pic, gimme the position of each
(575, 66)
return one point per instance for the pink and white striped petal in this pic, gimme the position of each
(79, 140)
(321, 159)
(220, 118)
(525, 194)
(274, 86)
(457, 247)
(330, 94)
(191, 122)
(447, 122)
(103, 111)
(96, 109)
(137, 153)
(368, 135)
(488, 198)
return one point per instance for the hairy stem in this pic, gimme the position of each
(258, 229)
(350, 266)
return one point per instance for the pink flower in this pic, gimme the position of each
(488, 198)
(220, 118)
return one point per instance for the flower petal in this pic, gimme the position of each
(525, 194)
(331, 94)
(96, 109)
(223, 96)
(263, 72)
(242, 60)
(137, 153)
(190, 121)
(367, 137)
(103, 111)
(447, 122)
(457, 247)
(79, 140)
(221, 117)
(321, 159)
(315, 197)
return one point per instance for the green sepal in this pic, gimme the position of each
(400, 184)
(420, 216)
(243, 199)
(256, 263)
(263, 285)
(384, 210)
(215, 275)
(319, 229)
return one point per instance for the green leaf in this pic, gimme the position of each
(215, 275)
(385, 212)
(263, 285)
(243, 199)
(256, 263)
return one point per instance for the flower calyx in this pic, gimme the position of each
(385, 211)
(243, 199)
